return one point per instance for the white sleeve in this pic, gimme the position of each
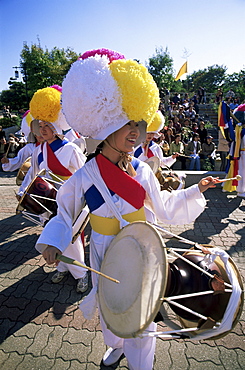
(178, 207)
(58, 231)
(31, 173)
(16, 162)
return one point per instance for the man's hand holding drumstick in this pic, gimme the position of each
(210, 182)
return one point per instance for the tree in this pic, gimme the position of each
(14, 97)
(42, 68)
(210, 78)
(236, 82)
(160, 66)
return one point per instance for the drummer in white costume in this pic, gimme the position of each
(62, 158)
(148, 148)
(100, 100)
(33, 140)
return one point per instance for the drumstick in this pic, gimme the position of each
(237, 177)
(71, 261)
(217, 181)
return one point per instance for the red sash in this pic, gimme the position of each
(147, 151)
(121, 183)
(54, 164)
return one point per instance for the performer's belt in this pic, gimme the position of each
(242, 150)
(110, 226)
(63, 178)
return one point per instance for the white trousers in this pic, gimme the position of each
(139, 352)
(76, 252)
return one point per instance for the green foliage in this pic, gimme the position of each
(44, 68)
(9, 122)
(210, 78)
(15, 97)
(160, 66)
(236, 82)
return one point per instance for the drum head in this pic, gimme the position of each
(154, 163)
(137, 258)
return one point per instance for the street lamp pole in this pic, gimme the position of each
(24, 72)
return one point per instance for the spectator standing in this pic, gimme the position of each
(193, 150)
(219, 96)
(200, 94)
(208, 151)
(12, 147)
(181, 115)
(223, 149)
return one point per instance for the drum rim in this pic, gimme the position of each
(156, 162)
(21, 169)
(39, 174)
(161, 290)
(239, 311)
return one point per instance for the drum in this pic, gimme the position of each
(169, 180)
(137, 259)
(154, 163)
(39, 197)
(201, 287)
(22, 171)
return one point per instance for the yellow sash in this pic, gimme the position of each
(110, 226)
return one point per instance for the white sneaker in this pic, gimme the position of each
(111, 356)
(56, 278)
(82, 284)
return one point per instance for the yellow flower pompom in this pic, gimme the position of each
(157, 123)
(45, 104)
(140, 95)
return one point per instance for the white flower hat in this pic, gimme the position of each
(103, 91)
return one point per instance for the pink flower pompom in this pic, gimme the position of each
(57, 87)
(241, 108)
(111, 55)
(25, 114)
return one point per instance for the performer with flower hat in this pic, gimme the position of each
(33, 140)
(111, 99)
(60, 158)
(148, 148)
(236, 135)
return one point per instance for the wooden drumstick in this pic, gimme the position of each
(71, 261)
(217, 181)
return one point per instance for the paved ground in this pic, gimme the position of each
(41, 326)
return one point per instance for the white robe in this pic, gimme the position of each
(157, 151)
(22, 155)
(178, 207)
(71, 157)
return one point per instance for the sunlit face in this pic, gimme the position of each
(46, 132)
(150, 136)
(124, 139)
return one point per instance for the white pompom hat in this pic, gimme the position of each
(103, 91)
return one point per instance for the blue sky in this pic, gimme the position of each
(211, 31)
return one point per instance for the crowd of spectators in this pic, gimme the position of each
(184, 131)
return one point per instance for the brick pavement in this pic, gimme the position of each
(42, 326)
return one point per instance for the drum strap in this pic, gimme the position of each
(111, 226)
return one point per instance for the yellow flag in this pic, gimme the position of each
(182, 70)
